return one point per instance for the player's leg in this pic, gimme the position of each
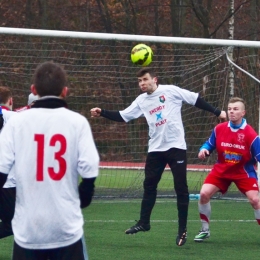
(20, 253)
(212, 184)
(177, 160)
(154, 167)
(249, 186)
(253, 197)
(8, 205)
(77, 251)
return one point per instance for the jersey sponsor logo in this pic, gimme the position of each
(162, 99)
(237, 146)
(156, 109)
(159, 116)
(161, 122)
(232, 157)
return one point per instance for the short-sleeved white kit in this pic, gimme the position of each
(50, 148)
(162, 110)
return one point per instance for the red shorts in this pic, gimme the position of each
(243, 184)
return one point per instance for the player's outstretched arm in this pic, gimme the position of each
(202, 104)
(109, 114)
(203, 153)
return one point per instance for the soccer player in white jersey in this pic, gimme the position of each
(50, 147)
(161, 106)
(8, 192)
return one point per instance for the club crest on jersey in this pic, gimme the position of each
(240, 138)
(162, 99)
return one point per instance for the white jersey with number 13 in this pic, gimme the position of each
(50, 148)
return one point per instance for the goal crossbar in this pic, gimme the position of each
(128, 37)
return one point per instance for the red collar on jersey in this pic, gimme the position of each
(5, 107)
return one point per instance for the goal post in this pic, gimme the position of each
(100, 73)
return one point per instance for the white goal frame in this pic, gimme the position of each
(138, 39)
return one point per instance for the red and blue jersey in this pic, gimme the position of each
(238, 150)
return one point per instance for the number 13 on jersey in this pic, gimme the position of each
(62, 165)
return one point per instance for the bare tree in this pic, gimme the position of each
(202, 13)
(43, 13)
(105, 15)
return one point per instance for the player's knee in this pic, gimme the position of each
(150, 184)
(204, 196)
(255, 202)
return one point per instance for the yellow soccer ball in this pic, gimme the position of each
(141, 55)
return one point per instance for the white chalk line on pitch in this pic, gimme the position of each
(166, 221)
(170, 200)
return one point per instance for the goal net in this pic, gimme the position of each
(101, 74)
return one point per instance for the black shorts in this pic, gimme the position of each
(76, 251)
(177, 161)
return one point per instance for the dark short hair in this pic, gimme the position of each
(49, 79)
(5, 94)
(145, 70)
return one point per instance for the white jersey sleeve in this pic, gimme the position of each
(88, 160)
(184, 95)
(10, 182)
(131, 112)
(7, 145)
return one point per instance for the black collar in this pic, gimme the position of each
(49, 103)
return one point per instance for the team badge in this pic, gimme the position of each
(162, 99)
(240, 138)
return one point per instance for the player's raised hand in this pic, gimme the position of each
(95, 112)
(223, 116)
(203, 153)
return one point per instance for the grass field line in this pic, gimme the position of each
(138, 201)
(166, 221)
(140, 166)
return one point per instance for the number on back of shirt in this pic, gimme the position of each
(56, 140)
